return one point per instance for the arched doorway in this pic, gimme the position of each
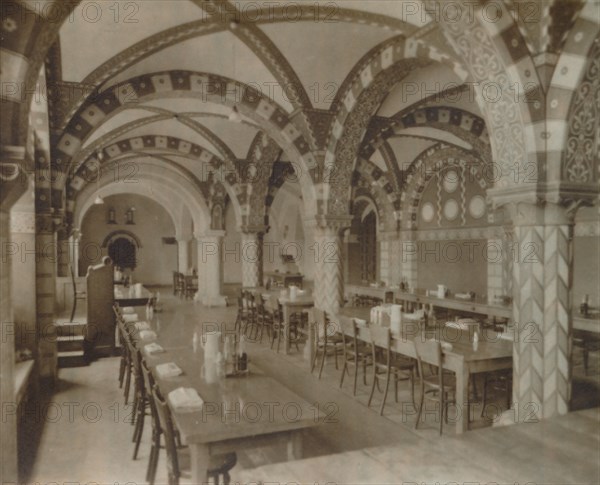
(123, 253)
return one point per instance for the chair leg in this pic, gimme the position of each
(139, 428)
(586, 357)
(485, 384)
(395, 388)
(335, 353)
(343, 373)
(442, 406)
(412, 387)
(121, 371)
(420, 407)
(314, 360)
(322, 361)
(372, 389)
(127, 383)
(356, 364)
(387, 386)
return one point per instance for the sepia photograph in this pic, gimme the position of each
(300, 242)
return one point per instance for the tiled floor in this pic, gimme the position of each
(85, 438)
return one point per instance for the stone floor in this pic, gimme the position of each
(79, 432)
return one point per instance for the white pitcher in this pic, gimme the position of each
(441, 292)
(210, 345)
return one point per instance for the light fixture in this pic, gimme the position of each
(235, 115)
(98, 200)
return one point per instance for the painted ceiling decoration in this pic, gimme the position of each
(164, 88)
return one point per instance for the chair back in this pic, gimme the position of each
(430, 351)
(349, 333)
(381, 337)
(166, 425)
(149, 385)
(320, 322)
(275, 307)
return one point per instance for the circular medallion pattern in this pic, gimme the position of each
(451, 209)
(450, 181)
(477, 207)
(427, 212)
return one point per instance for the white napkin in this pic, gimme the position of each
(185, 399)
(153, 348)
(147, 334)
(128, 309)
(169, 369)
(463, 296)
(457, 325)
(414, 315)
(143, 325)
(130, 318)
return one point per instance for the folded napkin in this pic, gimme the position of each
(414, 315)
(463, 296)
(147, 334)
(360, 322)
(153, 348)
(130, 318)
(170, 369)
(458, 325)
(128, 309)
(143, 325)
(185, 399)
(446, 346)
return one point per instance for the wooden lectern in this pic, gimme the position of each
(100, 315)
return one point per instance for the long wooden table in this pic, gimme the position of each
(238, 412)
(563, 449)
(462, 359)
(127, 299)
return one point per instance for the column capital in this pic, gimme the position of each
(334, 223)
(209, 234)
(542, 213)
(253, 229)
(389, 235)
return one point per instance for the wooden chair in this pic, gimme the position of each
(389, 366)
(356, 353)
(438, 387)
(178, 459)
(190, 286)
(264, 319)
(499, 380)
(272, 305)
(156, 429)
(328, 341)
(140, 402)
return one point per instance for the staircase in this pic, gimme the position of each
(71, 343)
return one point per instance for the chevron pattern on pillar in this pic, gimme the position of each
(251, 260)
(328, 271)
(556, 320)
(530, 373)
(408, 261)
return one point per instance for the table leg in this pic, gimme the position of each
(286, 328)
(199, 456)
(310, 344)
(462, 399)
(294, 447)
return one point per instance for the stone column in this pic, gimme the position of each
(389, 258)
(499, 253)
(8, 425)
(408, 258)
(45, 249)
(182, 255)
(327, 253)
(252, 257)
(63, 252)
(210, 268)
(542, 309)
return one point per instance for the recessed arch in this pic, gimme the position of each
(212, 88)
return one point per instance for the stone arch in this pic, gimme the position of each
(380, 188)
(424, 167)
(210, 87)
(378, 72)
(581, 157)
(146, 145)
(121, 233)
(174, 190)
(497, 57)
(464, 124)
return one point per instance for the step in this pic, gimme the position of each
(72, 358)
(70, 342)
(68, 329)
